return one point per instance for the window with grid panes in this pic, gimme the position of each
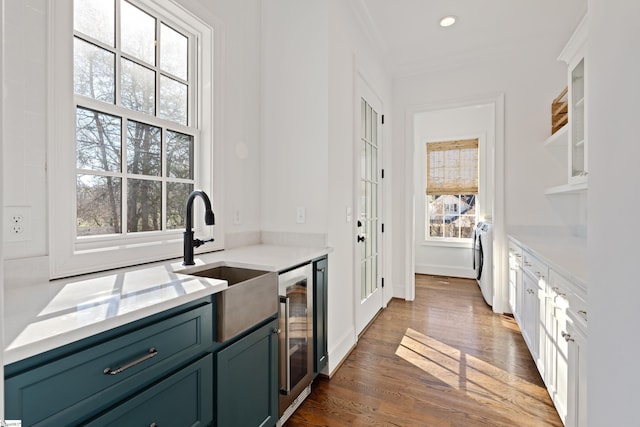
(139, 98)
(451, 189)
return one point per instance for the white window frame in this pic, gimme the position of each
(71, 256)
(453, 241)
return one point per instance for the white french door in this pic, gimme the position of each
(368, 220)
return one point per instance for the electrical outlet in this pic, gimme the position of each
(17, 221)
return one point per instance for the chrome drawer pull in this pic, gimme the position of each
(152, 353)
(559, 292)
(583, 313)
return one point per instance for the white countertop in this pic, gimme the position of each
(43, 316)
(565, 253)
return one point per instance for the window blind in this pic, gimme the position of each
(452, 167)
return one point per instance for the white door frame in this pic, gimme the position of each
(363, 89)
(496, 180)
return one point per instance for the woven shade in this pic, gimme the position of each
(452, 167)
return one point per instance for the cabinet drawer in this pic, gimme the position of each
(183, 399)
(576, 300)
(87, 382)
(515, 255)
(534, 266)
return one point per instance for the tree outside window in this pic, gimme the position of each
(134, 139)
(451, 189)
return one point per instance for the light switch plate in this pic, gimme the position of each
(301, 215)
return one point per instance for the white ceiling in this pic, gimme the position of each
(411, 40)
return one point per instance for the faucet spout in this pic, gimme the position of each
(209, 219)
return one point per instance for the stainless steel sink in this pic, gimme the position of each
(252, 296)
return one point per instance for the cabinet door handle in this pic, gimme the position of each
(320, 269)
(151, 353)
(530, 291)
(558, 291)
(527, 264)
(277, 331)
(566, 336)
(583, 313)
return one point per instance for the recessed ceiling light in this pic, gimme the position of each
(448, 21)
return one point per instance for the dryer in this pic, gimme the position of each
(483, 259)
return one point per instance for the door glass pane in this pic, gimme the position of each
(93, 71)
(367, 241)
(363, 280)
(144, 205)
(173, 52)
(95, 18)
(99, 206)
(374, 127)
(363, 200)
(138, 89)
(143, 149)
(98, 142)
(367, 134)
(368, 161)
(177, 193)
(374, 164)
(298, 328)
(363, 160)
(173, 100)
(138, 33)
(363, 113)
(179, 155)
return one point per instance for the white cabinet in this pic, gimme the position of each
(577, 376)
(515, 280)
(574, 56)
(573, 137)
(552, 313)
(530, 316)
(557, 357)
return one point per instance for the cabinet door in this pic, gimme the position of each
(320, 315)
(558, 362)
(183, 399)
(577, 377)
(247, 380)
(530, 315)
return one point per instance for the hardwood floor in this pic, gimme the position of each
(442, 360)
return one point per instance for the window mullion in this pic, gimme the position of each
(125, 175)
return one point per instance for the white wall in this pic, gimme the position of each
(613, 66)
(294, 115)
(240, 116)
(1, 213)
(350, 52)
(25, 80)
(446, 125)
(530, 77)
(311, 53)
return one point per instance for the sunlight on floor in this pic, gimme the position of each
(476, 378)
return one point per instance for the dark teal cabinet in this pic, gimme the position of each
(247, 380)
(320, 294)
(182, 399)
(88, 380)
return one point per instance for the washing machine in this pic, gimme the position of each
(483, 259)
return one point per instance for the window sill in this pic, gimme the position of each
(467, 243)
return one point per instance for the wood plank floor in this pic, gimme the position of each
(442, 360)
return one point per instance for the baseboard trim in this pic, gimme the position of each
(445, 270)
(340, 352)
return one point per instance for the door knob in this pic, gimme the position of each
(361, 238)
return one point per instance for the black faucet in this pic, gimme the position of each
(209, 219)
